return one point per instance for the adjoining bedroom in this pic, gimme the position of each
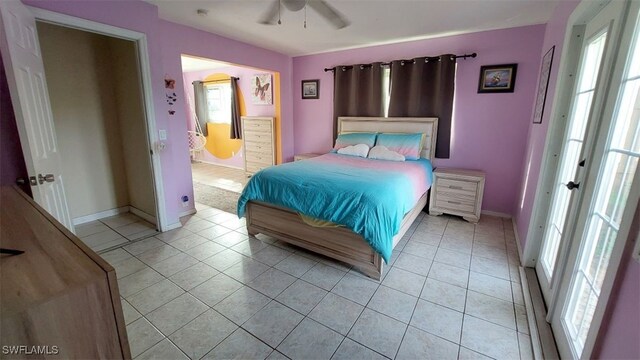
(220, 98)
(320, 179)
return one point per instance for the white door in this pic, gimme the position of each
(27, 85)
(590, 80)
(609, 203)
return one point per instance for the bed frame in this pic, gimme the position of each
(341, 243)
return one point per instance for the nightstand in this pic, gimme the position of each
(457, 192)
(306, 156)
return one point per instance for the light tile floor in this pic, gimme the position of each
(209, 291)
(219, 176)
(114, 231)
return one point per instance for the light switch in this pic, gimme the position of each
(162, 134)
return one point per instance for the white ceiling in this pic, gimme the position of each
(192, 63)
(372, 21)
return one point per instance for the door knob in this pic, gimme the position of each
(47, 178)
(571, 185)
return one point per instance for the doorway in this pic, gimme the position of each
(217, 160)
(99, 121)
(95, 135)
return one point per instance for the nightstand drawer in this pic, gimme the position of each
(463, 204)
(459, 186)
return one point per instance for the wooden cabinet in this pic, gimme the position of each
(259, 143)
(299, 157)
(457, 192)
(58, 294)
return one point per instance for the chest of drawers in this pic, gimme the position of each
(457, 192)
(259, 143)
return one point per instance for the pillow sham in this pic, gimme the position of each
(381, 152)
(349, 139)
(360, 150)
(405, 144)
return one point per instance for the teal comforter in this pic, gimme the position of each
(368, 196)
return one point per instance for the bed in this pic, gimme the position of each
(276, 217)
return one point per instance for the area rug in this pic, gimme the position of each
(216, 197)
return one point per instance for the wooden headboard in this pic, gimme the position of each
(425, 125)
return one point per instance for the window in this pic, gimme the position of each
(218, 102)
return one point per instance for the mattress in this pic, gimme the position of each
(369, 197)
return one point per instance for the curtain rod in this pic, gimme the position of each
(473, 55)
(220, 80)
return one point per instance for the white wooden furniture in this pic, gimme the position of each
(457, 192)
(58, 293)
(341, 243)
(306, 156)
(259, 143)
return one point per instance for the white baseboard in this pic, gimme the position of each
(495, 213)
(100, 215)
(172, 226)
(187, 213)
(515, 231)
(218, 164)
(142, 214)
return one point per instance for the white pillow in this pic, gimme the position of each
(360, 150)
(383, 153)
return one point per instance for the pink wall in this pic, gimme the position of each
(489, 130)
(165, 42)
(537, 133)
(11, 157)
(245, 76)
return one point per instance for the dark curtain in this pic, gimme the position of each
(425, 87)
(236, 124)
(357, 91)
(200, 104)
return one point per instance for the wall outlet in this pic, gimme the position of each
(162, 134)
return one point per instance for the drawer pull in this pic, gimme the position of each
(455, 187)
(453, 202)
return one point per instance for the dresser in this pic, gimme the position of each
(58, 294)
(259, 143)
(457, 192)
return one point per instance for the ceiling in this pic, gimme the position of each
(373, 22)
(192, 63)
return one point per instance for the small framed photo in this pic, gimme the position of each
(310, 89)
(497, 78)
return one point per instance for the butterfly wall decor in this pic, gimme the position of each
(261, 89)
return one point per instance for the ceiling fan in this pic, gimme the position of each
(333, 16)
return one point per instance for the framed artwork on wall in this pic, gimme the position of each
(497, 78)
(311, 89)
(543, 86)
(261, 89)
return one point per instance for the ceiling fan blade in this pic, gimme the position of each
(328, 12)
(270, 17)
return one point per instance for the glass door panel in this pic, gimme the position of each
(614, 179)
(592, 54)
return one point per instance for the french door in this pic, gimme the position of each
(583, 246)
(596, 47)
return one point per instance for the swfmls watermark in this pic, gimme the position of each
(30, 350)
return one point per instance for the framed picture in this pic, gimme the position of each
(543, 86)
(497, 78)
(261, 89)
(310, 89)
